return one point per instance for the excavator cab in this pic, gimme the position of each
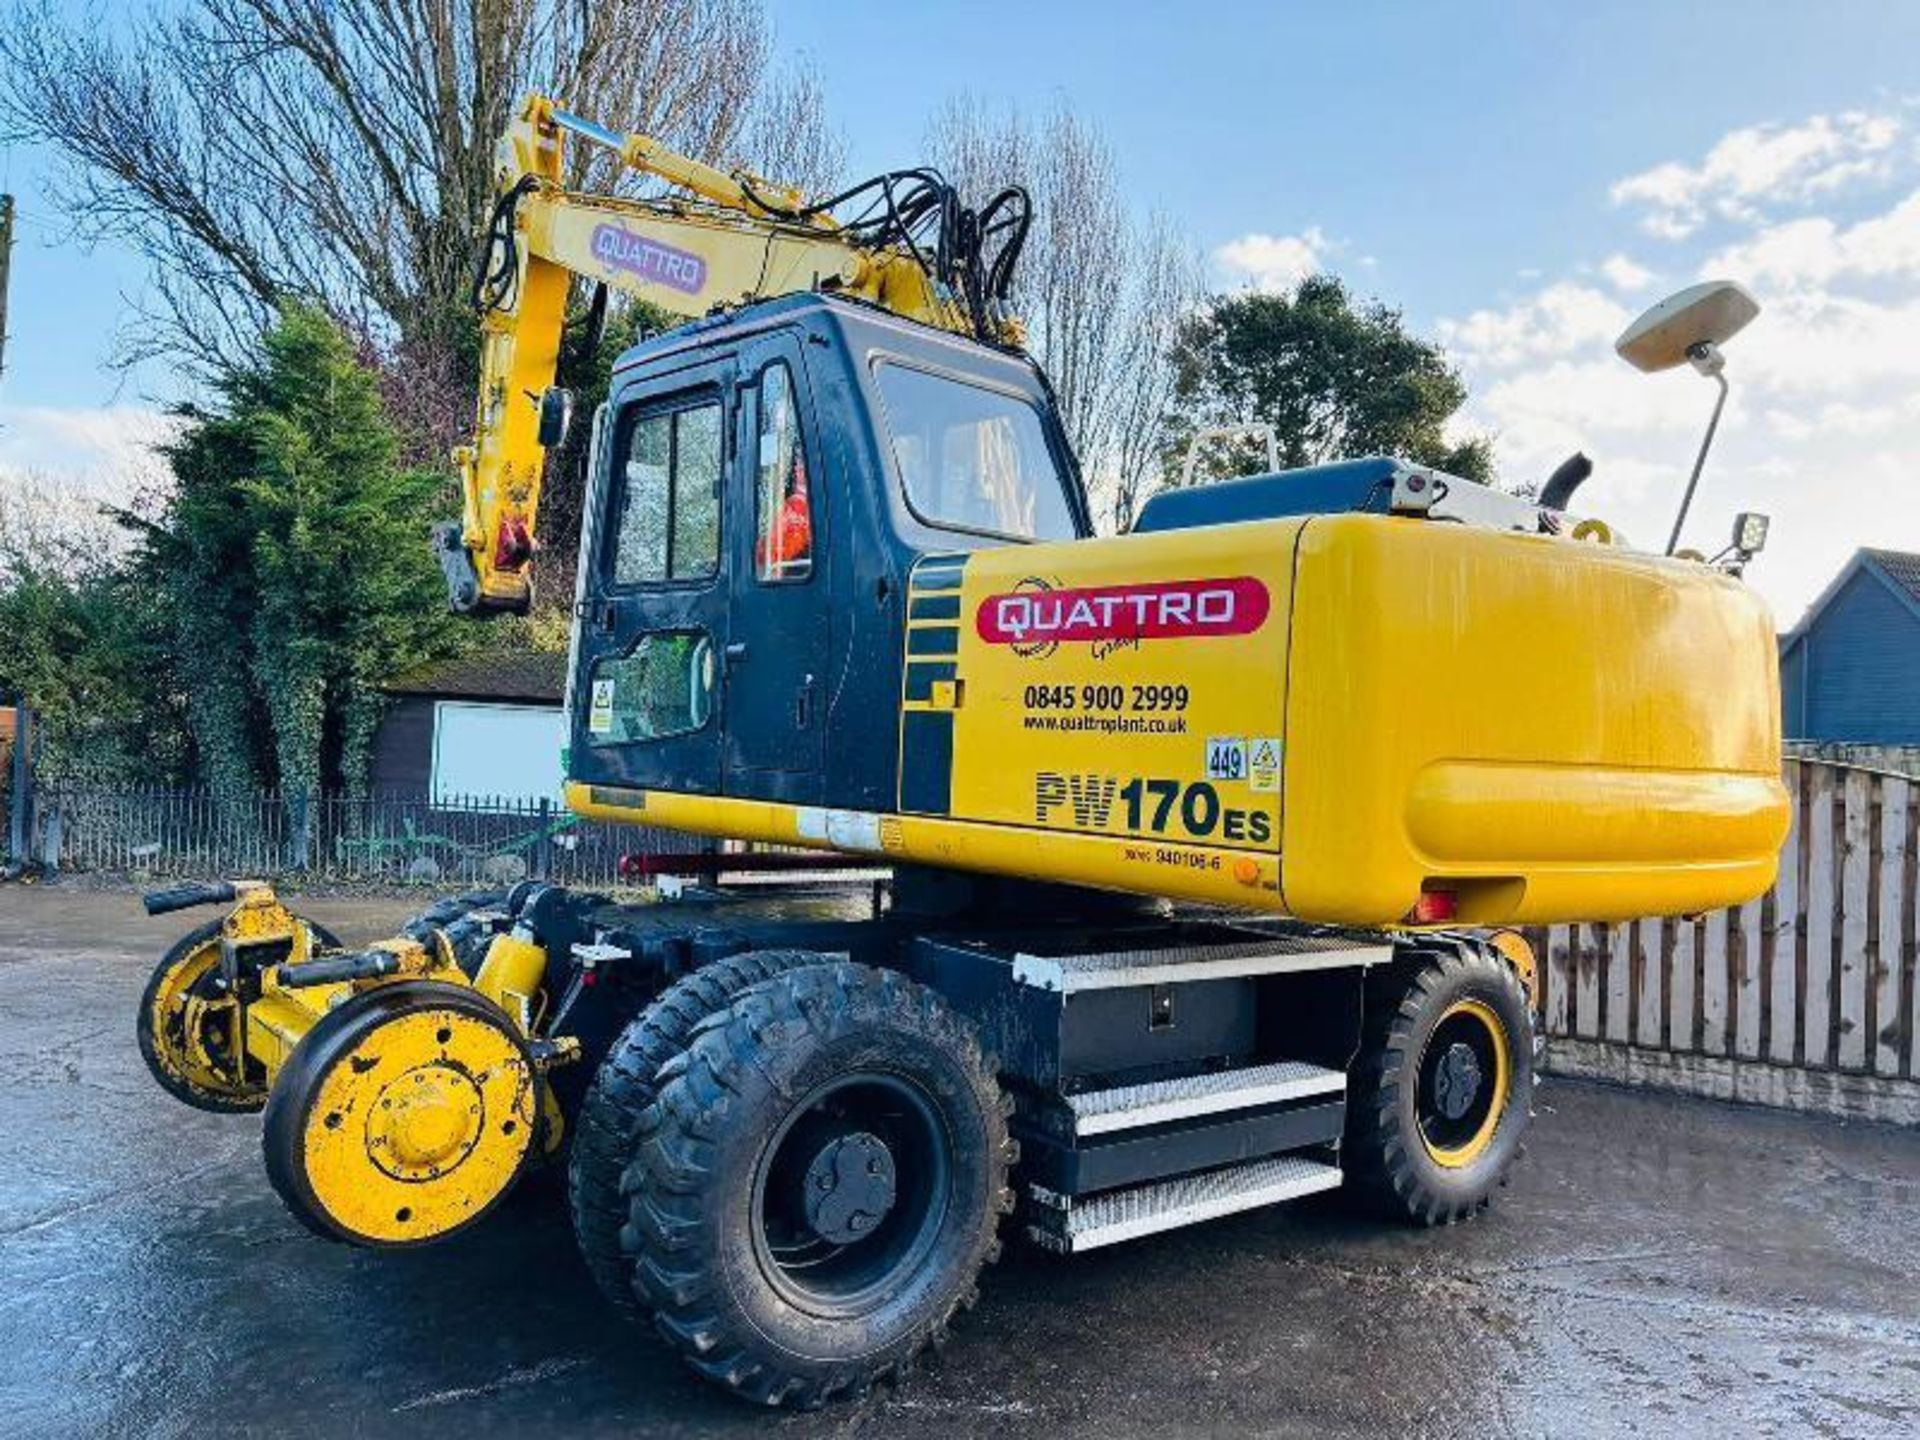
(761, 488)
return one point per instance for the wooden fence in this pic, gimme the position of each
(1806, 997)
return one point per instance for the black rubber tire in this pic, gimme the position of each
(695, 1228)
(181, 1090)
(606, 1131)
(1389, 1171)
(336, 1033)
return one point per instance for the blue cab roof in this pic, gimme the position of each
(1345, 485)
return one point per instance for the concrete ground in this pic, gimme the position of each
(1659, 1267)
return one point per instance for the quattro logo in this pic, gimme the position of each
(649, 259)
(1164, 610)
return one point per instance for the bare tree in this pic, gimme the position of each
(343, 149)
(1167, 281)
(1101, 290)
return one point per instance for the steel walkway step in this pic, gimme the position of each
(1119, 1215)
(1265, 955)
(1099, 1112)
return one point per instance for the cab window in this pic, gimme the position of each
(669, 522)
(972, 458)
(662, 686)
(783, 504)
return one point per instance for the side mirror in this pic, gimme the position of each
(1672, 331)
(556, 416)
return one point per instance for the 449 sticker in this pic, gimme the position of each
(1185, 809)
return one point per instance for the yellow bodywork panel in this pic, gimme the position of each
(511, 976)
(1324, 717)
(1045, 723)
(1558, 732)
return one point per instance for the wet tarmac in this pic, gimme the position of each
(1658, 1267)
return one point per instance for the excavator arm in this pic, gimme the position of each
(730, 239)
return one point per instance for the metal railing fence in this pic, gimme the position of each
(392, 839)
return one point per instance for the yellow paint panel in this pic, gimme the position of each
(1573, 732)
(1147, 728)
(1554, 731)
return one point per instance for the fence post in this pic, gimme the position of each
(21, 804)
(302, 813)
(51, 829)
(543, 842)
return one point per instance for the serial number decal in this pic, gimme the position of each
(1162, 610)
(1155, 806)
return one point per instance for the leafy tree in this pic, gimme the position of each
(293, 553)
(1335, 379)
(90, 651)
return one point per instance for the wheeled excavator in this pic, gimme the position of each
(1205, 841)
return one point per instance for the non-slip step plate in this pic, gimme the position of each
(1266, 955)
(1099, 1112)
(1169, 1204)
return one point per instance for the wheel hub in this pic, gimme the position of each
(1456, 1080)
(409, 1116)
(426, 1122)
(850, 1187)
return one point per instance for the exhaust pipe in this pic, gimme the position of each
(1571, 475)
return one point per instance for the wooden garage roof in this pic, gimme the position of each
(527, 677)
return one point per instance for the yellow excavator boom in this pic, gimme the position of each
(730, 240)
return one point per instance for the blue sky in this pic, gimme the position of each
(1475, 164)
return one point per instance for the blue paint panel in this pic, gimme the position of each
(926, 775)
(1311, 490)
(934, 607)
(922, 673)
(940, 574)
(934, 640)
(1793, 690)
(1854, 674)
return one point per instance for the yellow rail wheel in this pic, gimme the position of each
(402, 1117)
(1442, 1092)
(188, 1027)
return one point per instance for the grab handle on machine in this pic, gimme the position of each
(185, 897)
(337, 969)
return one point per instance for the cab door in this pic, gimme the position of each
(781, 623)
(649, 673)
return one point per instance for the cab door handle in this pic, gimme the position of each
(736, 650)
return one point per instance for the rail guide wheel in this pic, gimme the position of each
(188, 1026)
(402, 1116)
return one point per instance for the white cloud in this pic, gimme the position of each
(1816, 251)
(1273, 262)
(1763, 165)
(1824, 419)
(1626, 275)
(1559, 320)
(109, 453)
